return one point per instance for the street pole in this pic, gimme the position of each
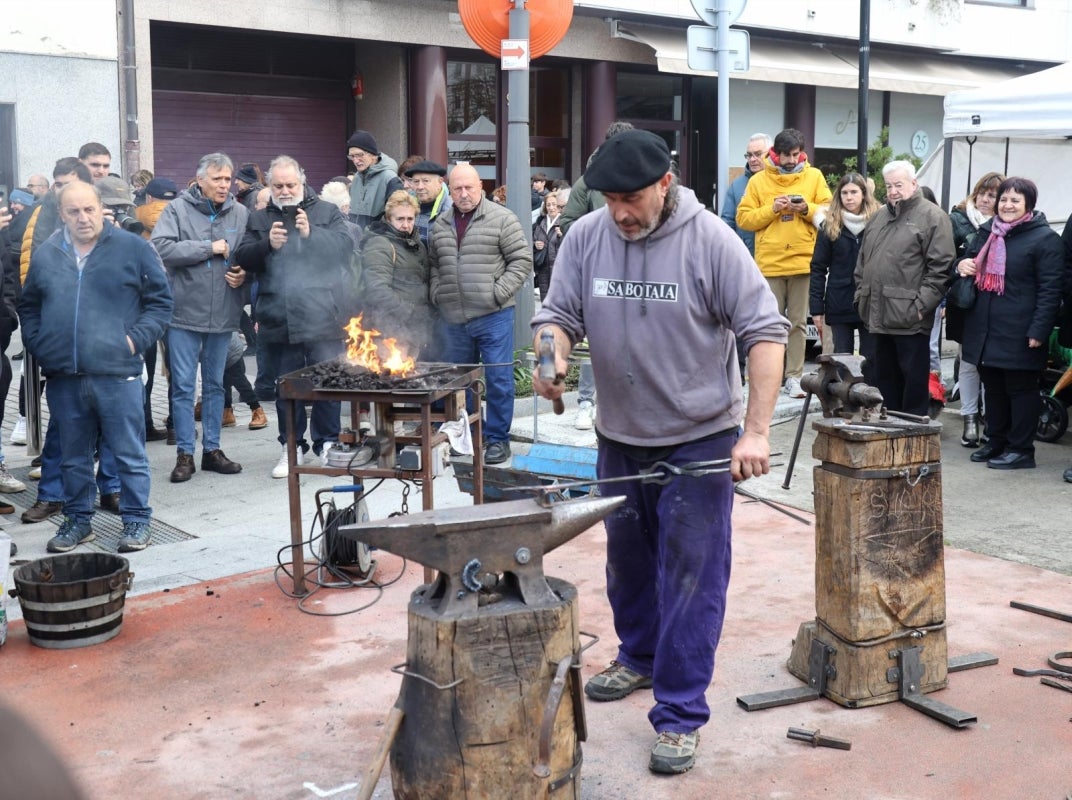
(865, 65)
(518, 185)
(722, 152)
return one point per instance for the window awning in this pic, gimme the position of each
(789, 62)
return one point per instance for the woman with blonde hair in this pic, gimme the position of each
(395, 277)
(834, 261)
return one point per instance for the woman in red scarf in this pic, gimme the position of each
(1018, 263)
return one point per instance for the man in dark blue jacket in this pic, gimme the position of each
(95, 298)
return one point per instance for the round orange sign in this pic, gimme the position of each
(488, 23)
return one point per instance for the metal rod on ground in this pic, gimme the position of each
(772, 504)
(372, 774)
(796, 441)
(1046, 612)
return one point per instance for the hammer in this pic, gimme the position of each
(547, 365)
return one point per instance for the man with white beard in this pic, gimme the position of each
(300, 250)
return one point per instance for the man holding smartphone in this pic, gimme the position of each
(197, 235)
(779, 204)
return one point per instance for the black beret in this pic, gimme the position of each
(628, 162)
(426, 167)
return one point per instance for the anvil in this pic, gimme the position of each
(469, 544)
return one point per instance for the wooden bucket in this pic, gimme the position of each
(73, 600)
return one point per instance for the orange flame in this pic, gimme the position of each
(366, 346)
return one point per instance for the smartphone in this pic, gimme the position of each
(290, 217)
(796, 198)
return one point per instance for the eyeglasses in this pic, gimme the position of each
(357, 154)
(753, 155)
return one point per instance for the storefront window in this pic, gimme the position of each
(549, 107)
(650, 97)
(472, 109)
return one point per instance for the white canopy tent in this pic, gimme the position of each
(1018, 127)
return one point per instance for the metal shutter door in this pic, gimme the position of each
(187, 125)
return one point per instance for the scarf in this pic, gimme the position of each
(788, 169)
(854, 222)
(991, 259)
(975, 216)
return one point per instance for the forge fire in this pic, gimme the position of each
(380, 355)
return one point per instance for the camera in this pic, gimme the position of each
(125, 221)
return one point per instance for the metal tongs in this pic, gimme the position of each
(660, 473)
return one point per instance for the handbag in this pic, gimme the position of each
(963, 292)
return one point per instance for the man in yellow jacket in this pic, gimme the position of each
(779, 205)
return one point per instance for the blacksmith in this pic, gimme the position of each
(659, 286)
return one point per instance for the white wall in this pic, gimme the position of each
(755, 107)
(59, 59)
(1042, 32)
(60, 104)
(60, 28)
(836, 114)
(910, 113)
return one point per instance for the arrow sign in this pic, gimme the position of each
(514, 53)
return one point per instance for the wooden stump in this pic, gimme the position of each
(879, 558)
(860, 679)
(480, 738)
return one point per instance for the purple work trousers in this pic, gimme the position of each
(668, 568)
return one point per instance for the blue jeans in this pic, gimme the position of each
(325, 422)
(668, 569)
(188, 349)
(85, 408)
(490, 340)
(50, 487)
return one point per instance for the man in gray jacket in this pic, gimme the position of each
(196, 236)
(479, 259)
(375, 180)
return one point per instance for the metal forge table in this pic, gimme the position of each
(404, 400)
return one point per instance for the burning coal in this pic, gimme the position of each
(369, 349)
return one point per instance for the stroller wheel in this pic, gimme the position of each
(1053, 419)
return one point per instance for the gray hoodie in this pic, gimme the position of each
(660, 316)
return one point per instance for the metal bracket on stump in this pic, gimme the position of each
(820, 669)
(908, 675)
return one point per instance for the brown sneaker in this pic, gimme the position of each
(216, 461)
(615, 682)
(259, 419)
(184, 468)
(228, 418)
(41, 510)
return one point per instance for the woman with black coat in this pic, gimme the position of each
(395, 277)
(546, 236)
(1018, 262)
(967, 217)
(834, 260)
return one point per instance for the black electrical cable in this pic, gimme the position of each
(318, 565)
